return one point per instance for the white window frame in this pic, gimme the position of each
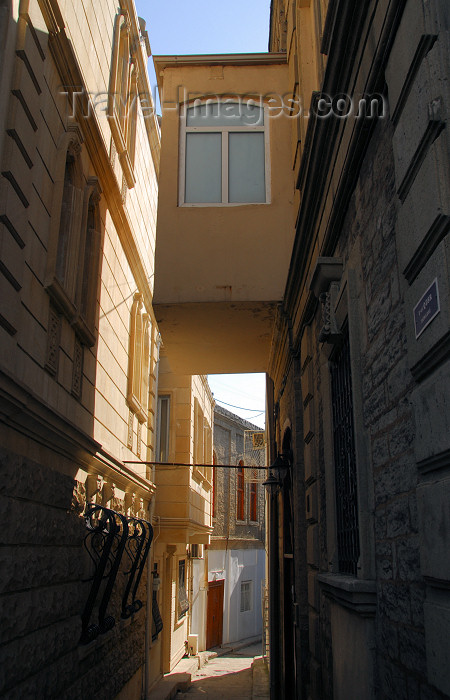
(225, 131)
(166, 399)
(250, 596)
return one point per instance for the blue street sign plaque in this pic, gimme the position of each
(426, 308)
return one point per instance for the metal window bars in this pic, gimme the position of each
(344, 458)
(109, 535)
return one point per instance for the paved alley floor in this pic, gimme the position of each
(226, 677)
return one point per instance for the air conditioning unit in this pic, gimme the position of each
(193, 639)
(196, 551)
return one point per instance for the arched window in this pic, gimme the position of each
(123, 96)
(138, 359)
(67, 206)
(240, 489)
(89, 264)
(66, 224)
(224, 157)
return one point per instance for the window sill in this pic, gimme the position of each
(358, 595)
(214, 205)
(180, 621)
(61, 299)
(135, 406)
(86, 335)
(122, 152)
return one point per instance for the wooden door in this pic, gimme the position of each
(214, 621)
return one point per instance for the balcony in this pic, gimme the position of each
(184, 438)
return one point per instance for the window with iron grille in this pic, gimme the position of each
(240, 492)
(344, 458)
(253, 497)
(246, 596)
(183, 603)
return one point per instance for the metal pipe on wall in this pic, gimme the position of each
(274, 599)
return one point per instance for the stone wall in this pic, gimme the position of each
(385, 227)
(44, 587)
(229, 449)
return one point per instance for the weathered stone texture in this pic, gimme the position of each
(388, 419)
(229, 449)
(44, 572)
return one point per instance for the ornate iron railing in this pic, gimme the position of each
(109, 535)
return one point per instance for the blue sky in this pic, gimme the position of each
(206, 26)
(179, 27)
(214, 26)
(245, 392)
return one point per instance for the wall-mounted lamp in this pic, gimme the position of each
(272, 484)
(277, 473)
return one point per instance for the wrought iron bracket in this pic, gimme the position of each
(137, 548)
(104, 528)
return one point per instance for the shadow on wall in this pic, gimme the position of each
(51, 427)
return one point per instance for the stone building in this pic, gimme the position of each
(360, 362)
(183, 519)
(340, 293)
(79, 153)
(236, 555)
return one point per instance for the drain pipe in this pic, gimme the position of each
(150, 559)
(272, 486)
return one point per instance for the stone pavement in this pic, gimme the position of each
(236, 672)
(234, 675)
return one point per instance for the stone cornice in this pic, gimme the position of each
(325, 139)
(357, 595)
(26, 413)
(231, 59)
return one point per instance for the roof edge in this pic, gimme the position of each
(244, 59)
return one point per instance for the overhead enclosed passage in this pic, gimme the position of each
(225, 217)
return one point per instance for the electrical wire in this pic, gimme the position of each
(241, 408)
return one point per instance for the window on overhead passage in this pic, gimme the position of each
(224, 159)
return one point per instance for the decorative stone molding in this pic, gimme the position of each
(130, 430)
(142, 510)
(94, 486)
(77, 373)
(109, 494)
(139, 439)
(78, 498)
(330, 332)
(53, 338)
(130, 503)
(325, 283)
(359, 596)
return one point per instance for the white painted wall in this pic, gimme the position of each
(236, 566)
(199, 600)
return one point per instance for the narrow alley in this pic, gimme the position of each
(198, 199)
(239, 674)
